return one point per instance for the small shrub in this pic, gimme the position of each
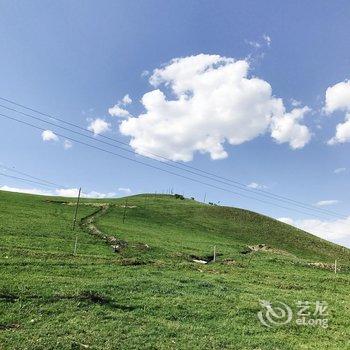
(179, 196)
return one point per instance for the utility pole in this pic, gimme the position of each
(335, 266)
(124, 213)
(76, 209)
(75, 220)
(205, 197)
(75, 245)
(214, 256)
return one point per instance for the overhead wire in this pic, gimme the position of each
(160, 169)
(212, 177)
(26, 180)
(31, 177)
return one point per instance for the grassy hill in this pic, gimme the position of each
(151, 294)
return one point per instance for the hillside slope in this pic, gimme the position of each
(151, 294)
(189, 226)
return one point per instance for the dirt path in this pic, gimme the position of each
(87, 225)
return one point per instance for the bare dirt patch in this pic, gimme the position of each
(117, 245)
(263, 248)
(324, 266)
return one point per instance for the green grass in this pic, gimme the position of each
(158, 298)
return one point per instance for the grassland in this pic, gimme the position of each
(156, 297)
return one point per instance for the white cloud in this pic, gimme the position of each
(264, 41)
(117, 111)
(66, 192)
(288, 221)
(342, 132)
(126, 100)
(339, 170)
(254, 44)
(337, 231)
(286, 128)
(295, 103)
(73, 192)
(95, 194)
(62, 192)
(98, 126)
(124, 190)
(338, 99)
(215, 102)
(267, 39)
(255, 185)
(49, 135)
(67, 144)
(25, 190)
(327, 202)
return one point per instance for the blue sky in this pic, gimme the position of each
(75, 60)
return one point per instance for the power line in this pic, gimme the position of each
(31, 177)
(211, 176)
(238, 184)
(26, 180)
(170, 172)
(164, 170)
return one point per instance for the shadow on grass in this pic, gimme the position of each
(90, 297)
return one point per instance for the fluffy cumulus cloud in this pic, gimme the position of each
(62, 192)
(200, 102)
(337, 231)
(49, 135)
(338, 99)
(287, 128)
(98, 126)
(342, 132)
(118, 110)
